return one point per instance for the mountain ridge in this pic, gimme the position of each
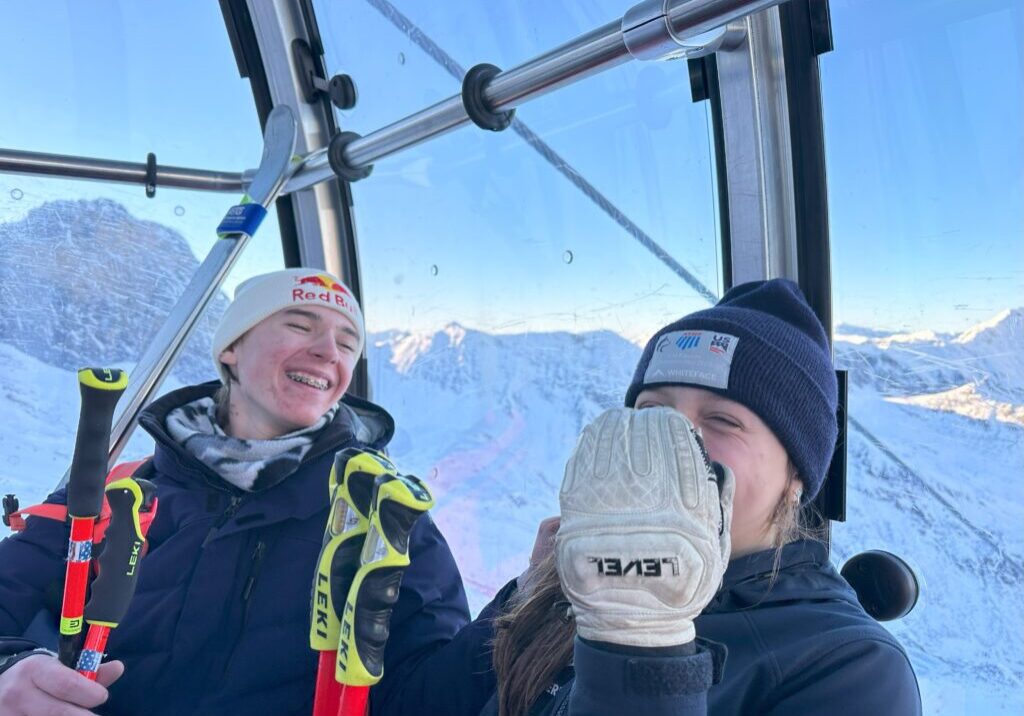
(100, 267)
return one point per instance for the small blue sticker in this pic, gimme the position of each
(242, 219)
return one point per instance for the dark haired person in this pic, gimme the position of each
(710, 618)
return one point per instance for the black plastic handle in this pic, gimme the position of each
(113, 589)
(101, 388)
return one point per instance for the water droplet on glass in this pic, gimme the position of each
(401, 58)
(433, 473)
(433, 270)
(16, 194)
(179, 211)
(567, 257)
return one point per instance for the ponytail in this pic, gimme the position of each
(533, 642)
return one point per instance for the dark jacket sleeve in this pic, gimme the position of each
(436, 661)
(868, 676)
(33, 569)
(638, 681)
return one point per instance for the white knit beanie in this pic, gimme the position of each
(261, 296)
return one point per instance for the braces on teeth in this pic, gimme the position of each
(313, 382)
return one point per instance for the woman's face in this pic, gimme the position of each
(290, 369)
(736, 437)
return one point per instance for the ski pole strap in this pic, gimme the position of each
(100, 389)
(398, 501)
(59, 513)
(243, 218)
(49, 510)
(112, 590)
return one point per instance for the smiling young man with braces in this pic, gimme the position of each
(220, 619)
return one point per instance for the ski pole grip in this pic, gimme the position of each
(398, 502)
(351, 482)
(113, 589)
(101, 388)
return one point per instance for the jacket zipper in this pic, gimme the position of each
(254, 573)
(564, 706)
(229, 512)
(256, 563)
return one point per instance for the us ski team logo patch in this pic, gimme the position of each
(696, 357)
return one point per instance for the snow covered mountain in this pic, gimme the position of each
(489, 420)
(936, 453)
(936, 440)
(987, 357)
(85, 283)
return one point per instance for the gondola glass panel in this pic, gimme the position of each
(923, 125)
(509, 277)
(89, 270)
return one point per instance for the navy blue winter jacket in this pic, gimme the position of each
(797, 645)
(220, 619)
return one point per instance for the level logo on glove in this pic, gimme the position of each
(644, 539)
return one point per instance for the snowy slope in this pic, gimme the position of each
(934, 479)
(489, 421)
(936, 454)
(38, 423)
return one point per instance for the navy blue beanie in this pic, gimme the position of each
(763, 347)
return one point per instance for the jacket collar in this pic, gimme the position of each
(741, 569)
(357, 421)
(803, 573)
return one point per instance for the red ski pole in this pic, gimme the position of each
(113, 589)
(351, 485)
(398, 501)
(100, 390)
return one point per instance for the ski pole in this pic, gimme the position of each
(100, 389)
(398, 501)
(113, 589)
(351, 485)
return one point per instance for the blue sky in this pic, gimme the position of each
(923, 115)
(923, 132)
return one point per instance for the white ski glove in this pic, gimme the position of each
(644, 539)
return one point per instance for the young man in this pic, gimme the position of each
(220, 619)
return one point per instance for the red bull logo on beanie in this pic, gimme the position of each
(323, 288)
(322, 281)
